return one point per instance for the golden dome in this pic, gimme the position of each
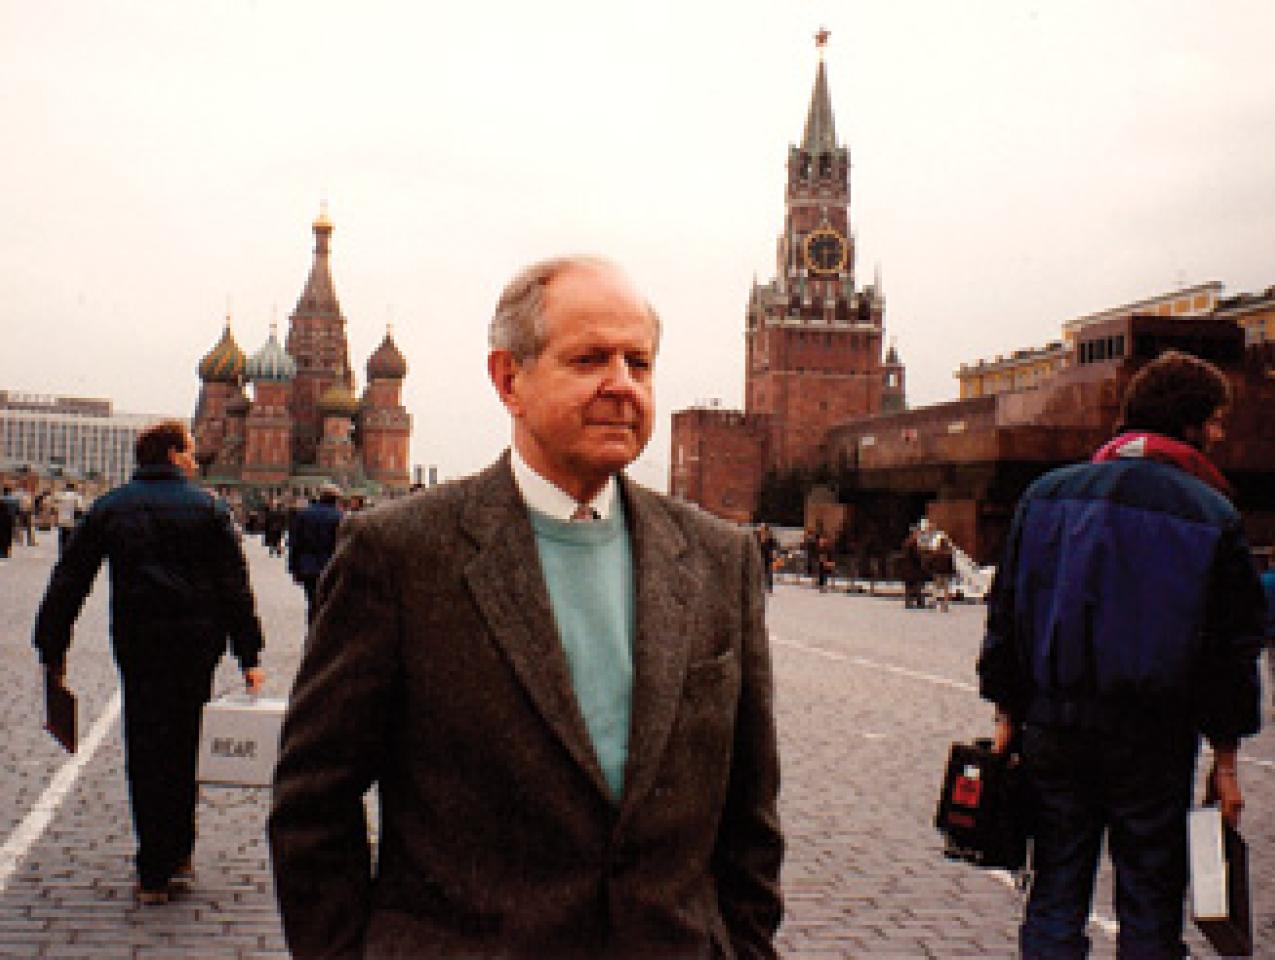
(338, 401)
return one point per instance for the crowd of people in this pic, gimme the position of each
(560, 682)
(24, 509)
(926, 557)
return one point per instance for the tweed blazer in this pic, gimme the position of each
(434, 670)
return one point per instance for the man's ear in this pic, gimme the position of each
(503, 370)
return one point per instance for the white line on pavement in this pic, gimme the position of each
(877, 665)
(28, 832)
(932, 678)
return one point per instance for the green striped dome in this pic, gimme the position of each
(225, 362)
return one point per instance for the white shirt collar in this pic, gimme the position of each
(550, 499)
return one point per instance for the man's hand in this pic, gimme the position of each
(1224, 789)
(1005, 730)
(253, 678)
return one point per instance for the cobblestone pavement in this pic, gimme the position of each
(870, 697)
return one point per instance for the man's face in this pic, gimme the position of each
(582, 410)
(184, 459)
(1215, 427)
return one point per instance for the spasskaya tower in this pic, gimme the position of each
(813, 355)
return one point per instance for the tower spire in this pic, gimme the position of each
(319, 294)
(820, 135)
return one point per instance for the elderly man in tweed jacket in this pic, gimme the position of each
(558, 680)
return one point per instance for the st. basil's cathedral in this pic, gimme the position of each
(303, 425)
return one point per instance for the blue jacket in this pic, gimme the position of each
(312, 539)
(179, 583)
(1127, 588)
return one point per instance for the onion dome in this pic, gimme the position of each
(271, 362)
(338, 401)
(224, 363)
(386, 362)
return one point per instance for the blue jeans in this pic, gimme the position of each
(1133, 783)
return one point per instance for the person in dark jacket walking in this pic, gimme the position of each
(179, 590)
(769, 549)
(1125, 621)
(275, 525)
(312, 540)
(8, 521)
(912, 567)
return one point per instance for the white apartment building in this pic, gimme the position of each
(76, 437)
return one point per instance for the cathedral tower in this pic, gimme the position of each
(218, 423)
(316, 341)
(386, 426)
(268, 426)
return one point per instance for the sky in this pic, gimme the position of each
(1014, 165)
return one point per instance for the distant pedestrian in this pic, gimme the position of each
(312, 540)
(26, 517)
(940, 565)
(1125, 621)
(179, 590)
(274, 524)
(912, 567)
(68, 508)
(823, 561)
(8, 521)
(769, 549)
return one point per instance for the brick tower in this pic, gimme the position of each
(217, 424)
(316, 340)
(386, 426)
(813, 339)
(268, 425)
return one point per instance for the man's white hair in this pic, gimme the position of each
(518, 325)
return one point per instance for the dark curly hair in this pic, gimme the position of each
(153, 443)
(1174, 394)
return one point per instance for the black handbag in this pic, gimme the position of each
(983, 812)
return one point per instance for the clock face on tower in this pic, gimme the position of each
(825, 251)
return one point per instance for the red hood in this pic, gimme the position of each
(1156, 446)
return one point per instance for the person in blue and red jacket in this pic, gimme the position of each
(1125, 622)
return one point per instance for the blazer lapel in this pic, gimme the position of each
(508, 587)
(660, 650)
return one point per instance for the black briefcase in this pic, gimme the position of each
(983, 810)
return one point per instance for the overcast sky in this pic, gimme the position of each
(1015, 164)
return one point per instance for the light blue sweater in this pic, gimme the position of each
(588, 568)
